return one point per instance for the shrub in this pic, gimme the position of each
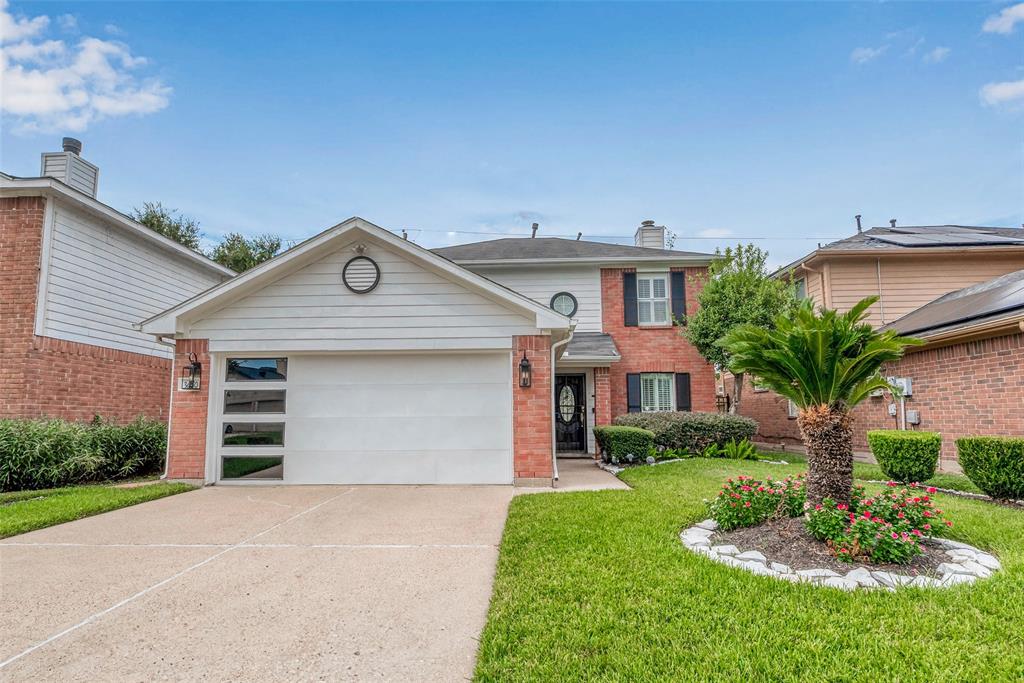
(734, 450)
(884, 528)
(691, 432)
(746, 502)
(37, 454)
(995, 464)
(906, 456)
(624, 444)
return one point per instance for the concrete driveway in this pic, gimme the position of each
(256, 583)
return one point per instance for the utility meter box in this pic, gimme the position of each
(913, 417)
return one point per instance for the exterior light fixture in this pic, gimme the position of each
(525, 371)
(191, 374)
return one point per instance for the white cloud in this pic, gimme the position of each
(1007, 92)
(68, 23)
(937, 55)
(715, 232)
(1005, 20)
(14, 28)
(113, 29)
(863, 55)
(50, 85)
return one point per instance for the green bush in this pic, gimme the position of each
(995, 464)
(906, 456)
(691, 432)
(734, 450)
(38, 454)
(624, 444)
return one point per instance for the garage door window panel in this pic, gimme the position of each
(271, 401)
(257, 369)
(263, 434)
(252, 467)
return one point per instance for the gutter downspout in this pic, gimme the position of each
(554, 447)
(170, 410)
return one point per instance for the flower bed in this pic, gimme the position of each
(876, 536)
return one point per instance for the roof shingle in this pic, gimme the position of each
(556, 248)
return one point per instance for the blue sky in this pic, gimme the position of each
(722, 121)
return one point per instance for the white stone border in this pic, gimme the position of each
(966, 564)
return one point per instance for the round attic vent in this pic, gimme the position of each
(361, 274)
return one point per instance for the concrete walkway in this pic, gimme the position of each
(583, 474)
(256, 583)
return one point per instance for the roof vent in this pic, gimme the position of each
(650, 235)
(70, 168)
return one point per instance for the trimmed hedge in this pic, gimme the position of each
(624, 444)
(40, 454)
(906, 456)
(691, 432)
(995, 464)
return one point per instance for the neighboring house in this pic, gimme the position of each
(75, 276)
(360, 357)
(909, 268)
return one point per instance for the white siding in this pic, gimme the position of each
(412, 308)
(100, 280)
(540, 284)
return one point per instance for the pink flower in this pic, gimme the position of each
(949, 523)
(927, 526)
(891, 483)
(818, 506)
(895, 535)
(747, 504)
(916, 532)
(900, 516)
(841, 506)
(931, 489)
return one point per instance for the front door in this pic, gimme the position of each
(571, 413)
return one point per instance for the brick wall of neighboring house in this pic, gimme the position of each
(654, 349)
(45, 377)
(532, 410)
(186, 440)
(971, 388)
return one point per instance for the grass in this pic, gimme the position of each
(22, 511)
(240, 466)
(870, 472)
(597, 586)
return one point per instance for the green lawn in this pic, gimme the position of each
(869, 472)
(22, 511)
(597, 586)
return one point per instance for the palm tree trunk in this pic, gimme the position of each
(737, 392)
(828, 434)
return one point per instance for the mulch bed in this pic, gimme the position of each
(788, 541)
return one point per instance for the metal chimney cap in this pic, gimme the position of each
(647, 223)
(72, 145)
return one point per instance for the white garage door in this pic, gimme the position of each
(392, 419)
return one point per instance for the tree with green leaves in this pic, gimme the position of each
(826, 363)
(240, 253)
(737, 290)
(167, 222)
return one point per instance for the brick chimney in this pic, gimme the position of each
(70, 168)
(650, 235)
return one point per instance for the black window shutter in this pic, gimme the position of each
(629, 302)
(679, 297)
(683, 392)
(633, 392)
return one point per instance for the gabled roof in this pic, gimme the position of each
(916, 239)
(988, 301)
(172, 320)
(15, 186)
(591, 346)
(557, 250)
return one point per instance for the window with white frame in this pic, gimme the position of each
(656, 392)
(801, 288)
(652, 299)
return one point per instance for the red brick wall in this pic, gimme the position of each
(186, 439)
(972, 388)
(654, 349)
(602, 400)
(45, 377)
(532, 410)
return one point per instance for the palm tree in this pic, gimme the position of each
(826, 363)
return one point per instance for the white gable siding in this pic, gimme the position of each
(411, 308)
(100, 280)
(542, 283)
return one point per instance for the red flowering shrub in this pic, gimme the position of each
(746, 501)
(884, 528)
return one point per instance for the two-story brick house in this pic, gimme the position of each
(75, 277)
(965, 379)
(360, 357)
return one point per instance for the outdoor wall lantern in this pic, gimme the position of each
(191, 373)
(525, 371)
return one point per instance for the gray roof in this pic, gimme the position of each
(920, 238)
(974, 304)
(591, 345)
(534, 248)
